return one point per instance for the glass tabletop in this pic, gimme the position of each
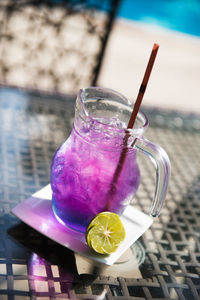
(166, 261)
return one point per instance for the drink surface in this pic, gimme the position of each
(82, 176)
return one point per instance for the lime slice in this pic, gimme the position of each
(105, 232)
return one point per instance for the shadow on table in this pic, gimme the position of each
(173, 265)
(48, 260)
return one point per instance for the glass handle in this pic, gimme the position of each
(162, 164)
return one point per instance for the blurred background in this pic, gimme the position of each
(175, 26)
(63, 45)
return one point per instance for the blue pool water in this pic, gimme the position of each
(179, 15)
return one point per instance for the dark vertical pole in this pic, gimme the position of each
(112, 15)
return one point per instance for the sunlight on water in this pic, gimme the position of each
(178, 15)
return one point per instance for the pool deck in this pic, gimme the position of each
(175, 79)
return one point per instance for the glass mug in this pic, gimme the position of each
(85, 174)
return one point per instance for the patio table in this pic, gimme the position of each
(33, 124)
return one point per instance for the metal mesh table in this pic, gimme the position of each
(33, 124)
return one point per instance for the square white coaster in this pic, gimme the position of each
(37, 212)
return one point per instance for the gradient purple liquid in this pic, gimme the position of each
(81, 176)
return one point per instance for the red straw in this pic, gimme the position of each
(143, 86)
(132, 121)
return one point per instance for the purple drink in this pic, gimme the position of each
(81, 176)
(84, 168)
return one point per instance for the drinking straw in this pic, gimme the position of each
(132, 121)
(143, 86)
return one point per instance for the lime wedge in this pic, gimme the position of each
(105, 232)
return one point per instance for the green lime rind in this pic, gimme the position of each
(105, 232)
